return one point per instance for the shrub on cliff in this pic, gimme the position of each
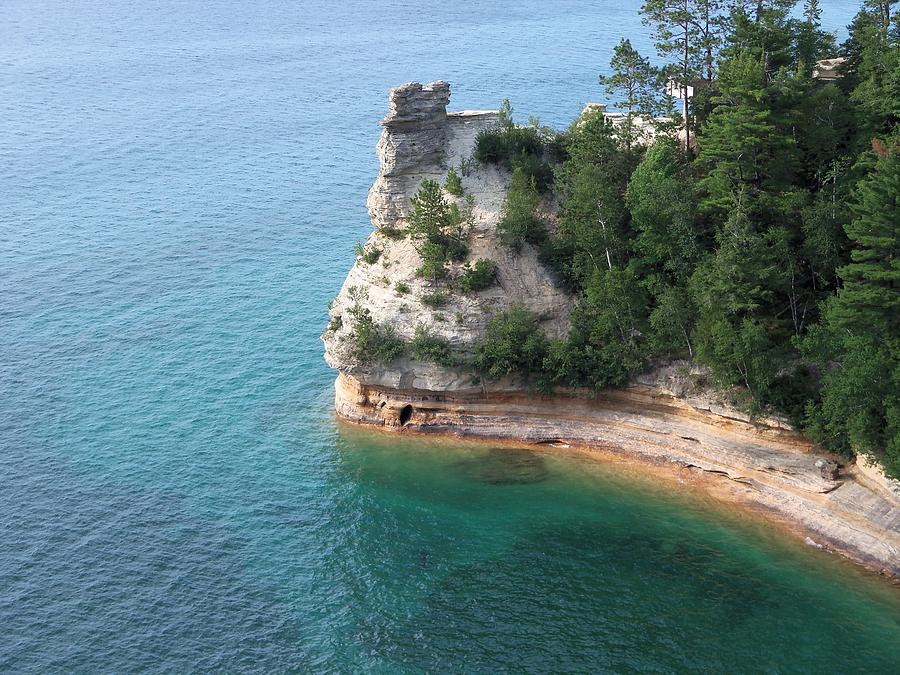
(432, 348)
(454, 183)
(435, 299)
(526, 147)
(368, 255)
(514, 343)
(501, 145)
(373, 342)
(440, 230)
(391, 232)
(478, 277)
(520, 224)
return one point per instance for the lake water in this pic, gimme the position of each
(181, 188)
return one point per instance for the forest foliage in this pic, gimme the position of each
(765, 245)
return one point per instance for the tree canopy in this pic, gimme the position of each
(770, 252)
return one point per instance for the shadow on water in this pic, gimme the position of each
(504, 466)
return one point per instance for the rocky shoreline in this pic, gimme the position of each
(847, 509)
(851, 509)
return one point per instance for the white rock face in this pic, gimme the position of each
(421, 140)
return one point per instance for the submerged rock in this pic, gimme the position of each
(505, 466)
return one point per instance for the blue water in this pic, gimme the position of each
(181, 187)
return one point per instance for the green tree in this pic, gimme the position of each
(635, 80)
(812, 42)
(439, 230)
(825, 138)
(869, 301)
(430, 213)
(857, 344)
(454, 183)
(882, 11)
(672, 321)
(873, 67)
(688, 32)
(824, 239)
(605, 344)
(592, 184)
(663, 213)
(520, 223)
(514, 343)
(763, 27)
(736, 290)
(745, 146)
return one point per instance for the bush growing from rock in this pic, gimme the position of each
(369, 256)
(392, 232)
(454, 183)
(429, 347)
(434, 299)
(526, 147)
(373, 342)
(478, 277)
(514, 343)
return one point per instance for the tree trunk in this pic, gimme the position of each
(707, 35)
(684, 85)
(688, 340)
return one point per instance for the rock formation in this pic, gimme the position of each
(662, 417)
(421, 140)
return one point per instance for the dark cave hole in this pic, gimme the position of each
(405, 415)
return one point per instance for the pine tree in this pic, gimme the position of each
(857, 344)
(519, 223)
(741, 147)
(764, 28)
(662, 205)
(812, 42)
(869, 300)
(688, 31)
(874, 68)
(735, 290)
(439, 230)
(635, 80)
(430, 211)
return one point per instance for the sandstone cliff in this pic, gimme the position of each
(660, 418)
(421, 140)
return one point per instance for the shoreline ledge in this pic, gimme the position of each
(665, 417)
(852, 510)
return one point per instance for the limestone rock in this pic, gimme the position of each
(771, 468)
(422, 140)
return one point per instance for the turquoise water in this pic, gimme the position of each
(182, 185)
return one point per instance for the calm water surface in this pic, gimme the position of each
(181, 187)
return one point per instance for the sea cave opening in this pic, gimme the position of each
(405, 414)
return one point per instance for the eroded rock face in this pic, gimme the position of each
(412, 147)
(422, 140)
(769, 467)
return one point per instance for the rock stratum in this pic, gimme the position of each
(662, 417)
